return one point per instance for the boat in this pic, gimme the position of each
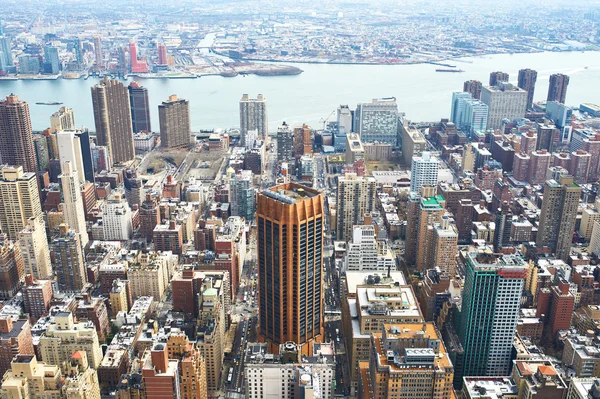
(449, 70)
(48, 103)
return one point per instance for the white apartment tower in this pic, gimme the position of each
(116, 218)
(19, 200)
(73, 202)
(505, 101)
(423, 170)
(69, 149)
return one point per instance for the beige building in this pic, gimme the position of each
(64, 337)
(375, 152)
(367, 308)
(445, 246)
(355, 198)
(407, 361)
(557, 216)
(151, 273)
(354, 148)
(589, 216)
(82, 381)
(34, 249)
(63, 119)
(73, 201)
(118, 298)
(175, 127)
(413, 142)
(19, 200)
(211, 331)
(112, 114)
(504, 101)
(28, 379)
(192, 366)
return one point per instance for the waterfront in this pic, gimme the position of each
(421, 93)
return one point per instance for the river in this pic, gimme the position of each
(421, 93)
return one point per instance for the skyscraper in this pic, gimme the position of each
(112, 114)
(290, 265)
(355, 197)
(19, 200)
(497, 77)
(242, 195)
(527, 79)
(73, 202)
(377, 121)
(175, 128)
(505, 101)
(473, 87)
(68, 258)
(6, 58)
(136, 66)
(12, 270)
(285, 143)
(458, 106)
(557, 216)
(69, 149)
(490, 311)
(16, 137)
(162, 54)
(557, 90)
(34, 249)
(52, 62)
(63, 119)
(423, 170)
(253, 116)
(140, 108)
(344, 118)
(99, 61)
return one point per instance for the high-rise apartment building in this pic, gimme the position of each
(367, 253)
(69, 149)
(34, 249)
(345, 118)
(73, 202)
(211, 329)
(99, 59)
(192, 366)
(136, 65)
(51, 61)
(557, 90)
(242, 195)
(445, 245)
(12, 271)
(505, 101)
(16, 137)
(557, 216)
(117, 218)
(430, 211)
(489, 314)
(6, 58)
(286, 375)
(527, 79)
(458, 106)
(149, 216)
(474, 87)
(112, 114)
(160, 374)
(497, 77)
(63, 119)
(253, 116)
(64, 336)
(423, 170)
(37, 295)
(175, 127)
(355, 198)
(285, 143)
(377, 121)
(407, 361)
(290, 221)
(19, 200)
(162, 54)
(68, 258)
(140, 107)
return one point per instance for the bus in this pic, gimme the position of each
(230, 377)
(245, 297)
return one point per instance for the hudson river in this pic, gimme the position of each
(421, 92)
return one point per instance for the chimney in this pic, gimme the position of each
(6, 325)
(159, 358)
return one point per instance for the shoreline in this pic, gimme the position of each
(286, 70)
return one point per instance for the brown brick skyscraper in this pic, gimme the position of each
(290, 265)
(557, 90)
(16, 138)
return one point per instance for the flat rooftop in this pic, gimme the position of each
(290, 193)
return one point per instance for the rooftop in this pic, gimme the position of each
(290, 193)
